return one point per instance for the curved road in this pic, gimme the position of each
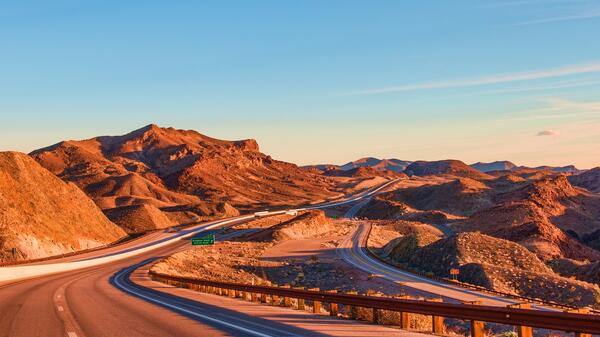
(353, 250)
(94, 299)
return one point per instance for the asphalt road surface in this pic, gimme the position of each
(114, 299)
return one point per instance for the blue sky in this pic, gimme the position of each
(312, 81)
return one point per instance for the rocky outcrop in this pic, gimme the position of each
(41, 215)
(497, 264)
(447, 167)
(166, 167)
(589, 180)
(138, 218)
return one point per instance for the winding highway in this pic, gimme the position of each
(103, 293)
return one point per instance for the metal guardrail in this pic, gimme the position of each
(525, 319)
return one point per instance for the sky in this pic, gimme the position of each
(311, 81)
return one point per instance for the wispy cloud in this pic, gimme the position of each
(565, 104)
(489, 80)
(589, 15)
(548, 133)
(556, 108)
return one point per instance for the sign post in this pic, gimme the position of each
(454, 272)
(203, 241)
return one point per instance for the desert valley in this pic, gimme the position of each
(526, 232)
(300, 168)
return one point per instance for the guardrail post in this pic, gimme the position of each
(263, 298)
(376, 312)
(522, 331)
(351, 309)
(253, 297)
(316, 304)
(376, 316)
(580, 311)
(404, 316)
(477, 328)
(287, 302)
(275, 300)
(333, 307)
(300, 300)
(437, 322)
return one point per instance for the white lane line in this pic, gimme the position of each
(71, 334)
(60, 308)
(208, 318)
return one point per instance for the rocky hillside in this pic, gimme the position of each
(589, 180)
(395, 165)
(139, 218)
(586, 271)
(166, 167)
(494, 166)
(447, 167)
(461, 196)
(41, 215)
(495, 264)
(306, 225)
(548, 216)
(364, 172)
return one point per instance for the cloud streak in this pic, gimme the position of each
(489, 80)
(591, 15)
(548, 133)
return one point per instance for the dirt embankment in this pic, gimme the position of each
(493, 263)
(40, 215)
(586, 271)
(138, 218)
(306, 225)
(298, 251)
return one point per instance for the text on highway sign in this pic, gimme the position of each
(207, 240)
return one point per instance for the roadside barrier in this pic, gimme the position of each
(581, 323)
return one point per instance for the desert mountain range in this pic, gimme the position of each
(549, 216)
(398, 165)
(157, 177)
(181, 170)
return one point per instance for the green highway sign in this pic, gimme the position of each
(207, 240)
